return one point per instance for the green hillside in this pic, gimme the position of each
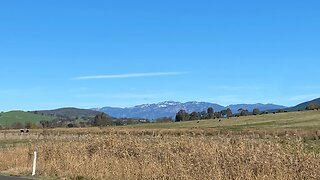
(68, 112)
(303, 119)
(22, 117)
(303, 106)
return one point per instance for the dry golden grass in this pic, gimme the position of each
(163, 154)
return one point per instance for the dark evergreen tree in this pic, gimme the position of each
(210, 113)
(256, 111)
(244, 112)
(228, 112)
(182, 115)
(203, 115)
(101, 120)
(194, 116)
(217, 115)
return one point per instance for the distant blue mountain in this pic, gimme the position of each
(170, 108)
(250, 107)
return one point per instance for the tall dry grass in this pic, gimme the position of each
(127, 154)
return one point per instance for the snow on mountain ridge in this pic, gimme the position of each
(170, 108)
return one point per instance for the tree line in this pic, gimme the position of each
(182, 115)
(100, 120)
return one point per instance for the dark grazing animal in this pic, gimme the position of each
(24, 131)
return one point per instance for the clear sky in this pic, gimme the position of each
(58, 53)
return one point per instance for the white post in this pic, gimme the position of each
(34, 164)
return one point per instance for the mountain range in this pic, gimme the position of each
(167, 109)
(170, 108)
(148, 111)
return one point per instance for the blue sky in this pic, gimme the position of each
(121, 53)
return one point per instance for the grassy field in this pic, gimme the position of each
(303, 119)
(280, 146)
(12, 117)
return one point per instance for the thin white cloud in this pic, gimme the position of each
(133, 75)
